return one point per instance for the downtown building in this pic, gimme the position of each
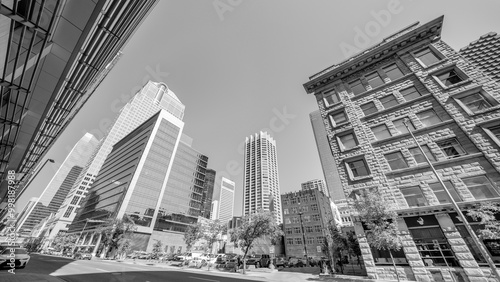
(59, 186)
(261, 180)
(153, 176)
(453, 108)
(306, 215)
(208, 193)
(226, 200)
(315, 184)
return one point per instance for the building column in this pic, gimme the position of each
(462, 252)
(366, 252)
(412, 254)
(94, 251)
(91, 238)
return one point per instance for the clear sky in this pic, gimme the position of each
(239, 66)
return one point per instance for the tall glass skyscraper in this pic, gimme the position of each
(153, 97)
(226, 201)
(208, 193)
(261, 182)
(56, 191)
(330, 172)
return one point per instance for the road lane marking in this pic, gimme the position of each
(101, 269)
(203, 278)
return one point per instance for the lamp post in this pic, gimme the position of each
(462, 217)
(303, 235)
(32, 178)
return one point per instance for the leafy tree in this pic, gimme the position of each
(212, 232)
(63, 241)
(157, 247)
(194, 232)
(487, 213)
(114, 231)
(335, 243)
(380, 220)
(254, 226)
(124, 247)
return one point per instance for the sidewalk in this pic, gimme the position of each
(23, 277)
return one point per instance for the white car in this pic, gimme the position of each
(210, 258)
(19, 258)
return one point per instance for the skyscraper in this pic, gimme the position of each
(214, 214)
(318, 184)
(56, 191)
(153, 97)
(208, 193)
(226, 200)
(330, 172)
(261, 182)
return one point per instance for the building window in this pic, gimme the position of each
(414, 196)
(307, 218)
(494, 133)
(315, 217)
(451, 148)
(374, 79)
(293, 201)
(450, 77)
(441, 195)
(289, 241)
(369, 108)
(389, 101)
(285, 211)
(288, 221)
(401, 127)
(358, 168)
(480, 187)
(310, 240)
(396, 160)
(393, 72)
(429, 117)
(347, 141)
(295, 219)
(296, 230)
(309, 229)
(320, 240)
(294, 210)
(75, 200)
(357, 87)
(381, 132)
(317, 228)
(331, 97)
(337, 118)
(477, 102)
(68, 211)
(314, 207)
(298, 241)
(419, 157)
(305, 208)
(427, 57)
(410, 93)
(288, 230)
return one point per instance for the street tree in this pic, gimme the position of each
(157, 248)
(212, 232)
(124, 248)
(254, 226)
(114, 231)
(488, 213)
(193, 234)
(63, 241)
(379, 218)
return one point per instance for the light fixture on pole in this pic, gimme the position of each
(461, 216)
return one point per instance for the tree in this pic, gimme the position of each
(124, 247)
(212, 231)
(254, 226)
(487, 213)
(157, 247)
(114, 231)
(381, 223)
(63, 241)
(194, 232)
(335, 243)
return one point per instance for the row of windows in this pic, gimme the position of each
(303, 199)
(309, 240)
(314, 207)
(307, 229)
(305, 218)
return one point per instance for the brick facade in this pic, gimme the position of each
(475, 159)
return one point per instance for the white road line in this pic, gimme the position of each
(203, 278)
(101, 269)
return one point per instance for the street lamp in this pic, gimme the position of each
(303, 235)
(462, 217)
(32, 178)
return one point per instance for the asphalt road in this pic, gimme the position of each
(96, 271)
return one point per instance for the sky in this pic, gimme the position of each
(238, 66)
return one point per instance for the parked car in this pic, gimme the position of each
(281, 261)
(143, 255)
(197, 262)
(82, 255)
(20, 255)
(262, 260)
(222, 259)
(296, 262)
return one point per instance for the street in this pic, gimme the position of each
(111, 271)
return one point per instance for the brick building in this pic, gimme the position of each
(485, 54)
(454, 112)
(310, 211)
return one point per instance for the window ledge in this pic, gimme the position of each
(339, 125)
(461, 83)
(350, 149)
(368, 92)
(426, 68)
(415, 132)
(423, 97)
(360, 178)
(328, 107)
(494, 108)
(437, 163)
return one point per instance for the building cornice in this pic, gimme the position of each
(384, 49)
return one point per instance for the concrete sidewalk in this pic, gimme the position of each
(31, 277)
